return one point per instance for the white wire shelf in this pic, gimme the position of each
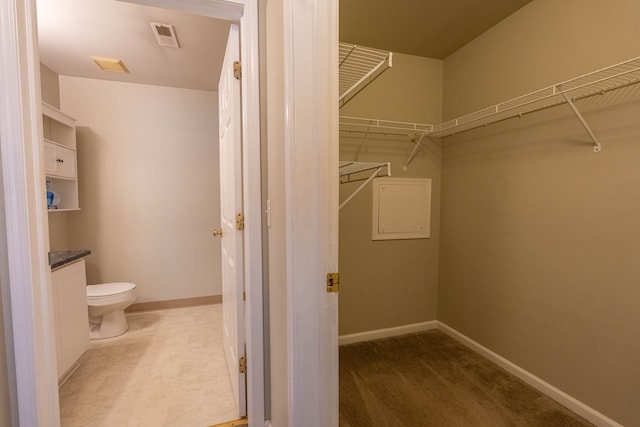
(595, 83)
(362, 127)
(351, 170)
(358, 67)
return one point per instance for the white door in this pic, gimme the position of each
(230, 206)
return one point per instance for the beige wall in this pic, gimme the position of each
(149, 186)
(59, 231)
(58, 224)
(49, 86)
(544, 43)
(278, 326)
(539, 234)
(390, 283)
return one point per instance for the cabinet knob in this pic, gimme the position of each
(217, 232)
(59, 160)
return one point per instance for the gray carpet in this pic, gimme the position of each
(429, 379)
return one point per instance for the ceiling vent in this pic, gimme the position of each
(110, 64)
(165, 34)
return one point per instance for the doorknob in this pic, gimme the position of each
(217, 232)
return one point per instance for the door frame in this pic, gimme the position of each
(25, 275)
(311, 195)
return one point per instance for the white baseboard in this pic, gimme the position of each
(387, 332)
(559, 396)
(63, 379)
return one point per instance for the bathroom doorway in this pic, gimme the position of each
(241, 12)
(155, 171)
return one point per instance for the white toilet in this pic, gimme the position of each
(106, 308)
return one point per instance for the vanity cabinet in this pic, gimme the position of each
(71, 317)
(59, 132)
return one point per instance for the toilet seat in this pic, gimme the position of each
(108, 290)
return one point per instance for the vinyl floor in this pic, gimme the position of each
(168, 370)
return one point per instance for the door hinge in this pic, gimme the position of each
(237, 70)
(333, 282)
(243, 365)
(240, 221)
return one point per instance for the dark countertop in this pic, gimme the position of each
(60, 258)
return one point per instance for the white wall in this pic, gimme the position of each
(149, 186)
(5, 414)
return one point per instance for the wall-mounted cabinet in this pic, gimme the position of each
(59, 161)
(59, 131)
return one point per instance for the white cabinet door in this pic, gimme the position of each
(59, 161)
(66, 163)
(70, 284)
(49, 158)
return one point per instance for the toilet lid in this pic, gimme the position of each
(108, 289)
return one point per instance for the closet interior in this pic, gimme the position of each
(527, 193)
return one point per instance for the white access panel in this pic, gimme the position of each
(401, 208)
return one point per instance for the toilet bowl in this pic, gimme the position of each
(106, 303)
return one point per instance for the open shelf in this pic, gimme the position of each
(595, 83)
(60, 163)
(607, 79)
(359, 66)
(351, 171)
(358, 126)
(57, 115)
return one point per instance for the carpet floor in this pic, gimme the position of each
(431, 380)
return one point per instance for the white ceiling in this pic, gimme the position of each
(70, 31)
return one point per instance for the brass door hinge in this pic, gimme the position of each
(237, 70)
(243, 365)
(333, 282)
(240, 221)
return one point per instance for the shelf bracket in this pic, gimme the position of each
(597, 147)
(415, 150)
(364, 184)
